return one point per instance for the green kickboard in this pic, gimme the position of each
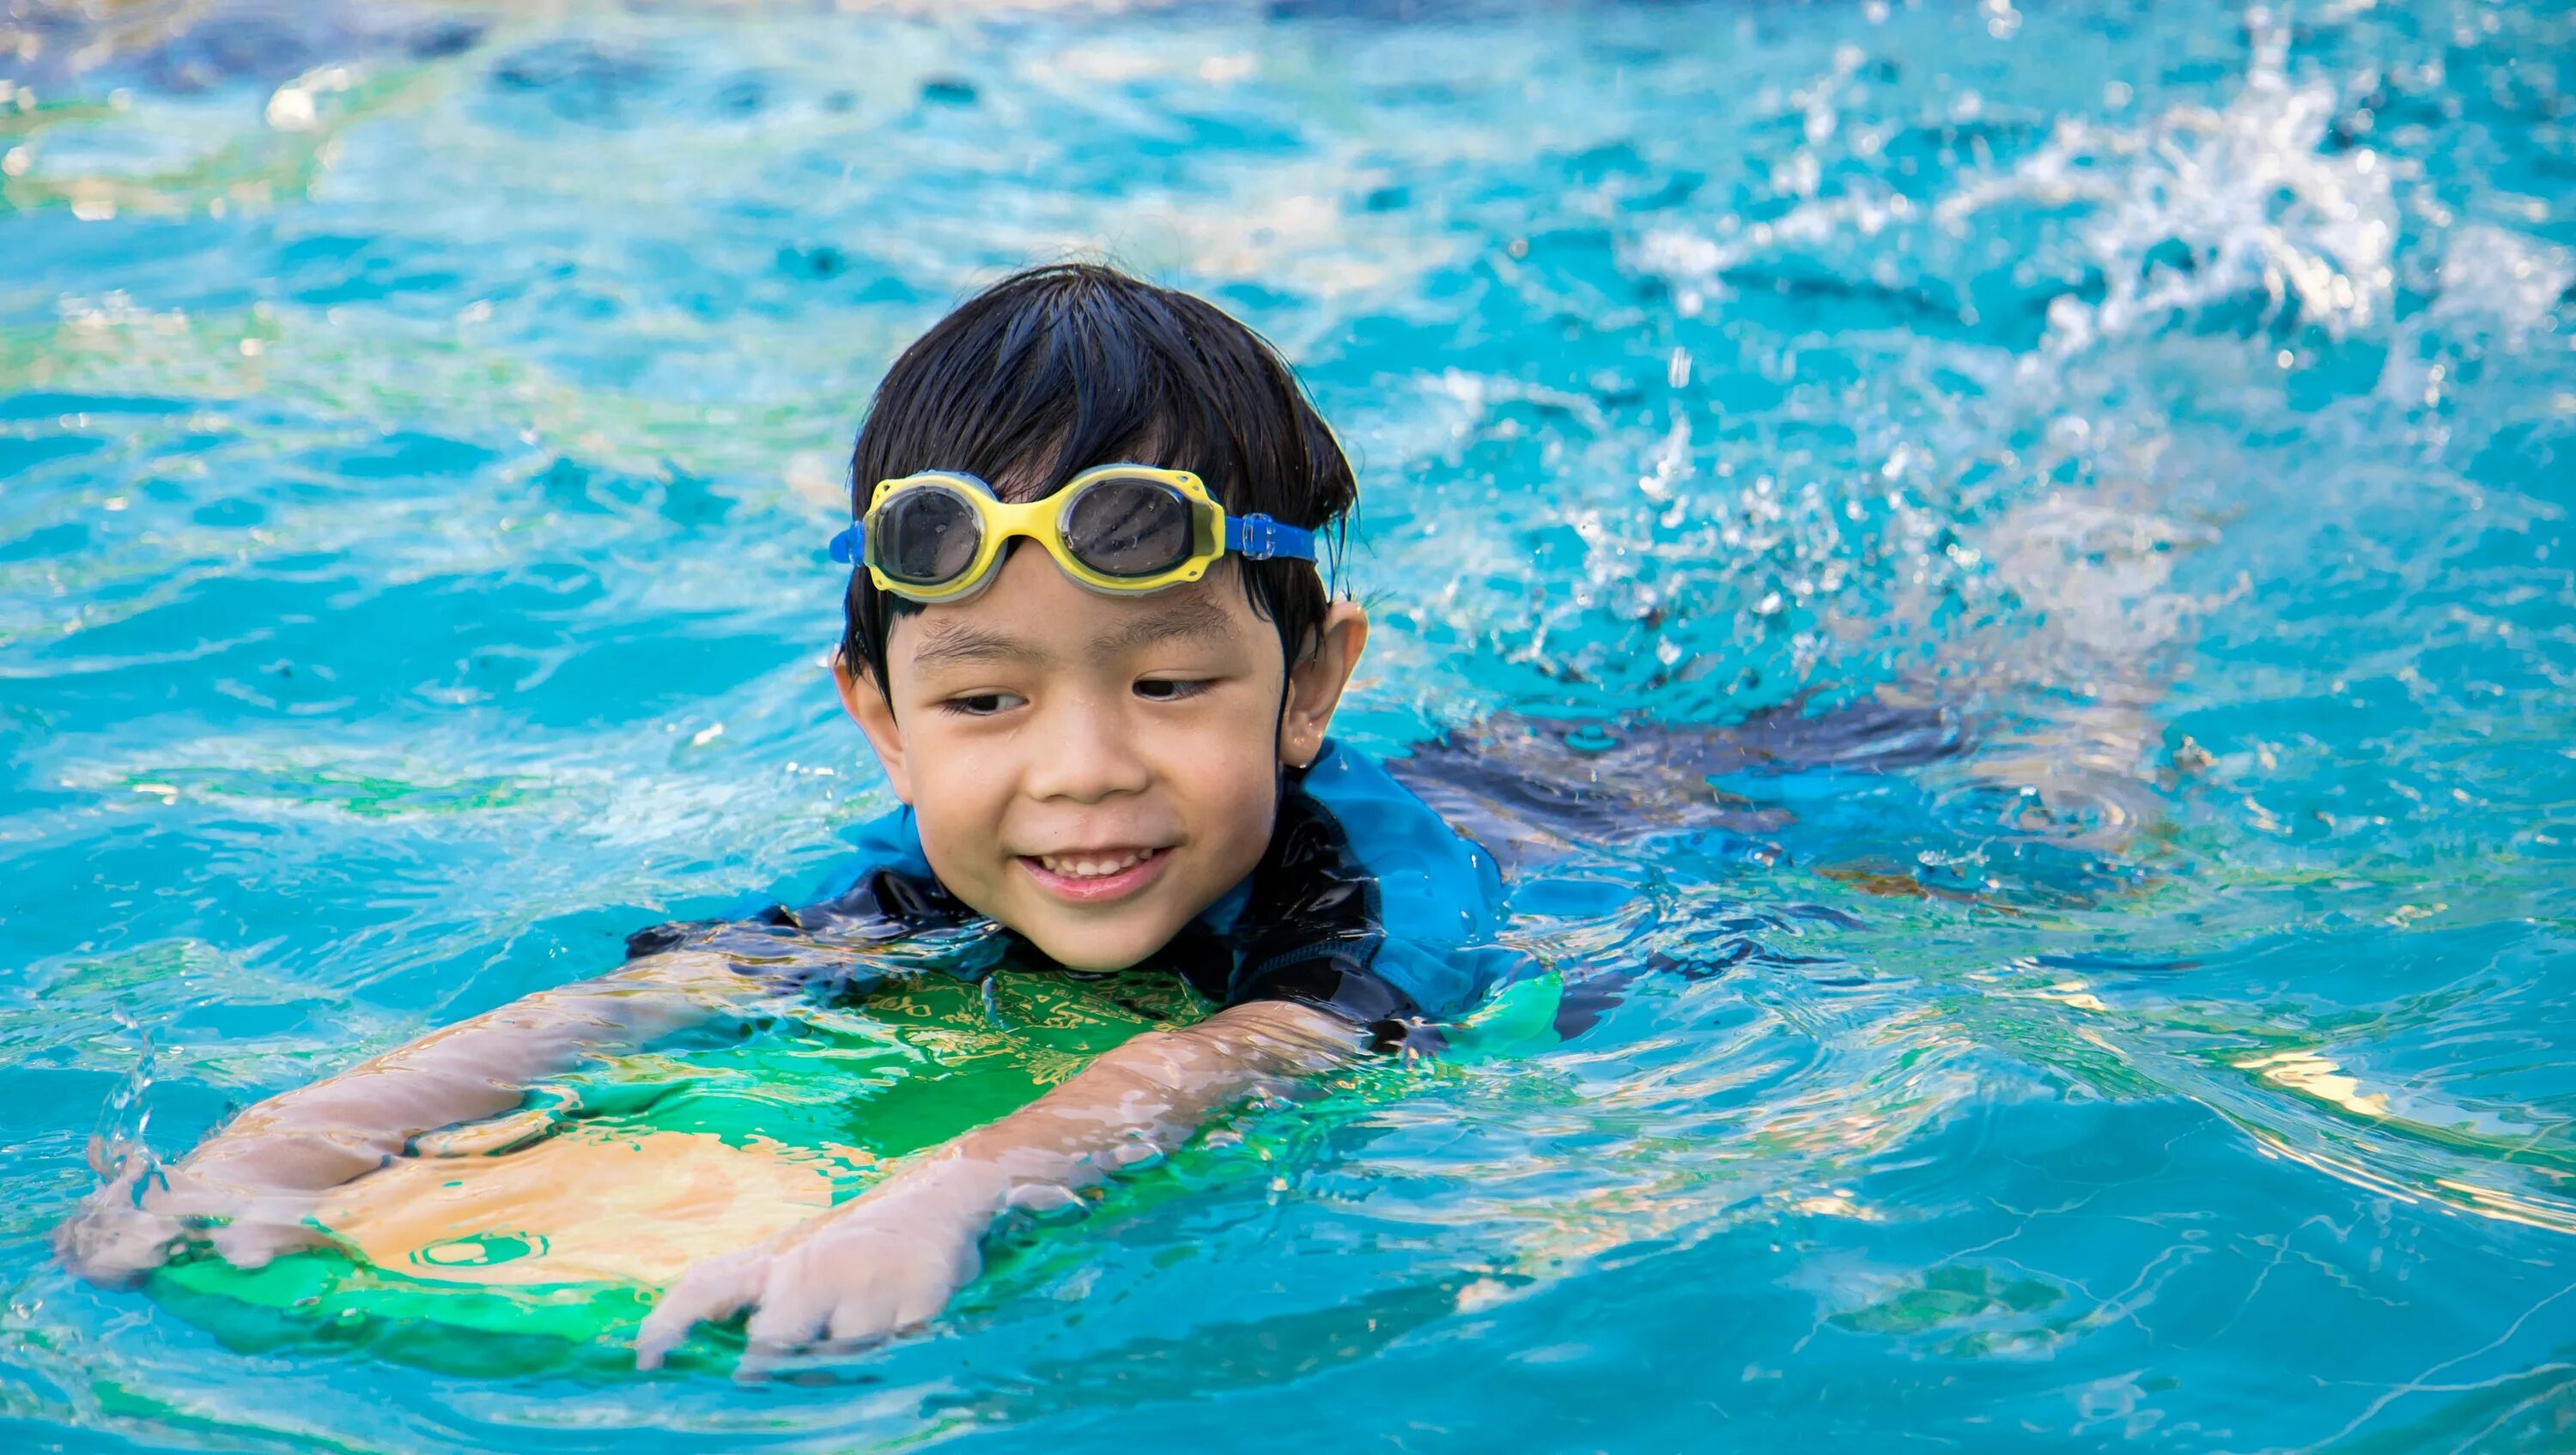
(536, 1242)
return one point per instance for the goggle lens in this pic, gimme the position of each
(929, 536)
(1129, 528)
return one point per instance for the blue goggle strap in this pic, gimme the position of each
(1259, 538)
(1254, 537)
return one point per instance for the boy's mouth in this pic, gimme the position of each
(1092, 876)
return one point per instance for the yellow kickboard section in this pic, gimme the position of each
(582, 1207)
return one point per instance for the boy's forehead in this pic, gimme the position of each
(1033, 611)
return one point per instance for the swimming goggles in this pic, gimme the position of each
(1121, 529)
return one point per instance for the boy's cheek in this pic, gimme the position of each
(958, 838)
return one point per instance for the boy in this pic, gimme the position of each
(1102, 696)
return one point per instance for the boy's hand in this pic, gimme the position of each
(890, 1260)
(873, 1267)
(252, 1189)
(145, 1211)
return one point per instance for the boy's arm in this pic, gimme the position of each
(891, 1258)
(262, 1174)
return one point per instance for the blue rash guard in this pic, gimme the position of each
(1366, 904)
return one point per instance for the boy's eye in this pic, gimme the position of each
(982, 704)
(1166, 689)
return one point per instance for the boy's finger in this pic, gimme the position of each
(859, 1321)
(806, 1364)
(254, 1245)
(760, 1361)
(790, 1315)
(919, 1304)
(112, 1239)
(716, 1289)
(115, 1246)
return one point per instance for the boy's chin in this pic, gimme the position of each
(1101, 947)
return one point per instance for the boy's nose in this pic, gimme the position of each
(1086, 753)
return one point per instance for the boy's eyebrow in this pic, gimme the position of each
(1171, 619)
(958, 642)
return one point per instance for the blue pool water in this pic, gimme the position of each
(417, 433)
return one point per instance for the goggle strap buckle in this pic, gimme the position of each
(1257, 537)
(847, 546)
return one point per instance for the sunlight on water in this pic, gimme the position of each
(417, 439)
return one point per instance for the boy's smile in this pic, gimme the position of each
(1095, 771)
(1096, 876)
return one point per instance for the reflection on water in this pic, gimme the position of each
(2081, 492)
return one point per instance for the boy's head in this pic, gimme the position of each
(1094, 770)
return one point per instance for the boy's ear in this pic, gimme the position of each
(1315, 683)
(868, 706)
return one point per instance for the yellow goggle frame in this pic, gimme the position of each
(1212, 533)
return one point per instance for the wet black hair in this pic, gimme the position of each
(1059, 368)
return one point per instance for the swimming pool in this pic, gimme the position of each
(416, 443)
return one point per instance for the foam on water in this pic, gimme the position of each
(416, 439)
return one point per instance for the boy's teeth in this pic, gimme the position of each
(1092, 866)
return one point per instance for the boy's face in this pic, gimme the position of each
(1093, 771)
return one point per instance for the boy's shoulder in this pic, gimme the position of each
(1434, 882)
(890, 842)
(1368, 902)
